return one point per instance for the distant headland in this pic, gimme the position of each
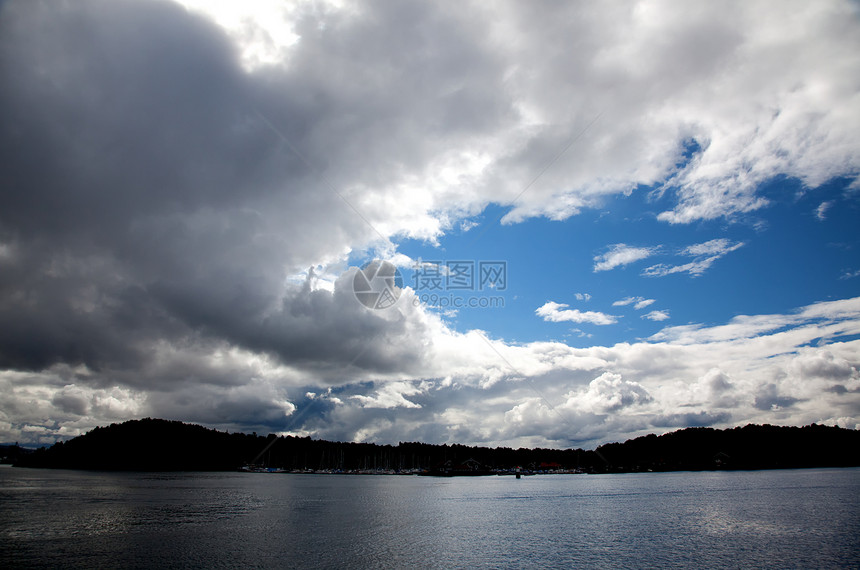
(162, 445)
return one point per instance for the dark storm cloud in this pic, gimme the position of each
(114, 111)
(146, 199)
(114, 117)
(321, 330)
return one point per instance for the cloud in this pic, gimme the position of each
(751, 326)
(716, 390)
(620, 255)
(718, 247)
(637, 302)
(609, 393)
(731, 97)
(821, 210)
(582, 296)
(392, 395)
(558, 312)
(467, 225)
(823, 364)
(656, 315)
(169, 178)
(768, 398)
(475, 389)
(723, 377)
(705, 253)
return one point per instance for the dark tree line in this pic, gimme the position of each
(11, 454)
(161, 445)
(748, 447)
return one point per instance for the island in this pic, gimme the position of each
(162, 445)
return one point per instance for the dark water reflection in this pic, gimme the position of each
(780, 519)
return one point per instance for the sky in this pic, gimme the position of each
(488, 223)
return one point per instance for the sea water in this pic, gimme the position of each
(779, 519)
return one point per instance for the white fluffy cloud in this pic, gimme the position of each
(620, 255)
(559, 312)
(391, 395)
(656, 315)
(608, 393)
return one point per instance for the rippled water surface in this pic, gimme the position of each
(804, 518)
